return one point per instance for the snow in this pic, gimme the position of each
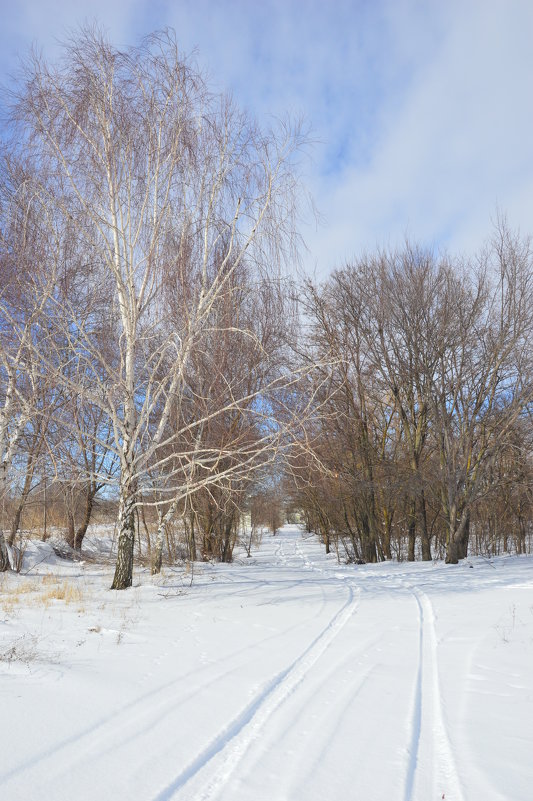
(284, 677)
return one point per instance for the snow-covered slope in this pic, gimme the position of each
(284, 677)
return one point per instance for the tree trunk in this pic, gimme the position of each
(77, 538)
(457, 543)
(31, 462)
(22, 501)
(351, 533)
(452, 557)
(71, 528)
(192, 539)
(521, 534)
(323, 524)
(146, 530)
(385, 540)
(368, 539)
(5, 562)
(15, 525)
(228, 539)
(126, 541)
(464, 537)
(412, 531)
(425, 535)
(157, 552)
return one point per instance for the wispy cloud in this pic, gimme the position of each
(422, 111)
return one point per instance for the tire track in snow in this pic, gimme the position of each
(135, 718)
(232, 743)
(139, 715)
(321, 723)
(431, 768)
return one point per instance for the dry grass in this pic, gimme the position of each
(23, 588)
(64, 591)
(11, 596)
(39, 592)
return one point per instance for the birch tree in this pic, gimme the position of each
(29, 254)
(167, 188)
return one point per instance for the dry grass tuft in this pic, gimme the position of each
(64, 591)
(39, 593)
(23, 588)
(11, 597)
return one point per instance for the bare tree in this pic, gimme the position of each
(404, 326)
(29, 255)
(482, 382)
(431, 380)
(165, 185)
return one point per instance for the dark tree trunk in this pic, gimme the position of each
(227, 549)
(452, 557)
(146, 530)
(75, 537)
(192, 539)
(15, 525)
(157, 558)
(368, 542)
(411, 531)
(385, 540)
(457, 545)
(425, 535)
(5, 563)
(462, 549)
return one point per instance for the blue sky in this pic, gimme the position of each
(421, 110)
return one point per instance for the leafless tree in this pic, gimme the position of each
(431, 381)
(164, 186)
(481, 384)
(29, 256)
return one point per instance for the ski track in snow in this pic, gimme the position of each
(138, 718)
(431, 768)
(359, 700)
(135, 719)
(233, 741)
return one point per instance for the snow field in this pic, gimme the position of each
(285, 677)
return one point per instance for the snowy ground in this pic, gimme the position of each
(284, 677)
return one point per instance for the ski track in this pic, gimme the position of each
(233, 742)
(139, 717)
(326, 719)
(282, 709)
(143, 713)
(431, 768)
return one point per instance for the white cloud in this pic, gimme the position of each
(456, 147)
(422, 109)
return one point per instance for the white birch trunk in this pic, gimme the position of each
(157, 557)
(123, 577)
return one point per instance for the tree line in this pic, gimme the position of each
(155, 355)
(425, 443)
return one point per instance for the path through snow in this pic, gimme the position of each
(286, 677)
